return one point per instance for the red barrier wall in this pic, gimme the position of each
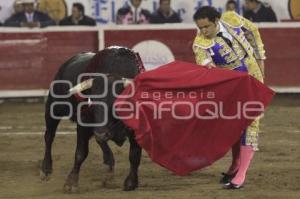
(283, 56)
(29, 60)
(282, 46)
(179, 41)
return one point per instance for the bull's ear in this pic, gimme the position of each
(82, 86)
(126, 82)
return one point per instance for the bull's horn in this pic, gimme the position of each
(126, 81)
(82, 86)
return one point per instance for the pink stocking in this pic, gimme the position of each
(246, 156)
(235, 158)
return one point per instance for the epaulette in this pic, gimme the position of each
(202, 42)
(232, 19)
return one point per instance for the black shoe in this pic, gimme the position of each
(226, 178)
(230, 185)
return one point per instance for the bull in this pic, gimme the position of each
(119, 64)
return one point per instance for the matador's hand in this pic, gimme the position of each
(211, 65)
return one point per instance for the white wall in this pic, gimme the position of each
(104, 10)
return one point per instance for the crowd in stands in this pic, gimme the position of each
(27, 15)
(133, 13)
(259, 12)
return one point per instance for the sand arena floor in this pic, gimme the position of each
(274, 173)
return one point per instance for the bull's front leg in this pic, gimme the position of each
(131, 182)
(51, 126)
(108, 162)
(108, 156)
(82, 150)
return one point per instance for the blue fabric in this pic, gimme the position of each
(218, 59)
(242, 68)
(243, 140)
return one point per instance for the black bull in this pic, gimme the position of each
(117, 63)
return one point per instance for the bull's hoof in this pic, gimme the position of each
(130, 184)
(68, 188)
(45, 176)
(71, 184)
(45, 170)
(108, 174)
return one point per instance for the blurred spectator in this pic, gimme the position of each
(29, 17)
(231, 5)
(18, 6)
(6, 9)
(77, 17)
(257, 11)
(165, 14)
(132, 13)
(56, 9)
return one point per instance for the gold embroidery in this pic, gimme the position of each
(203, 42)
(232, 19)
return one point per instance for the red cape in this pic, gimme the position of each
(200, 94)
